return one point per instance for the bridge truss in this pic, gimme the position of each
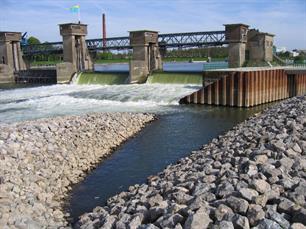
(170, 40)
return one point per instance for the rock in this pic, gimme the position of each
(241, 222)
(148, 226)
(277, 217)
(297, 148)
(267, 224)
(155, 200)
(261, 159)
(225, 189)
(301, 189)
(261, 186)
(299, 216)
(171, 221)
(261, 200)
(285, 205)
(286, 162)
(109, 222)
(297, 226)
(181, 197)
(255, 214)
(41, 159)
(224, 225)
(237, 204)
(198, 220)
(156, 212)
(223, 212)
(248, 194)
(291, 153)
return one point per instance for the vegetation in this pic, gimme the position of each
(33, 41)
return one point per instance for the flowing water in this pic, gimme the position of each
(178, 130)
(48, 101)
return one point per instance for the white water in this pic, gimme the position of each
(48, 101)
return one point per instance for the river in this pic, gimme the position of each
(178, 130)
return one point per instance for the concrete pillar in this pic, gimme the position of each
(10, 51)
(76, 54)
(146, 56)
(236, 36)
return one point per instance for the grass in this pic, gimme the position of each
(111, 61)
(44, 63)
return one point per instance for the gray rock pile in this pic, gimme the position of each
(251, 177)
(39, 160)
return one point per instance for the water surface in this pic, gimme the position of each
(178, 130)
(173, 136)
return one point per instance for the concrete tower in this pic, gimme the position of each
(76, 54)
(10, 56)
(236, 36)
(146, 57)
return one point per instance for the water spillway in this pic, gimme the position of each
(176, 78)
(113, 78)
(102, 78)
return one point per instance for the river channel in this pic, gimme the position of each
(178, 130)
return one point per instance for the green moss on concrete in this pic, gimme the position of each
(176, 78)
(103, 78)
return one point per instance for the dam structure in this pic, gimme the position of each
(234, 86)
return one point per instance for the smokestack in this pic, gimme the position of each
(104, 30)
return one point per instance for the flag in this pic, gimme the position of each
(75, 9)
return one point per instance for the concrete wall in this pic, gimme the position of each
(236, 54)
(6, 74)
(269, 48)
(64, 72)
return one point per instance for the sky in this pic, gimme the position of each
(40, 18)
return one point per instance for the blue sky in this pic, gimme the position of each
(284, 18)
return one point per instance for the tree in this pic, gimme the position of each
(33, 41)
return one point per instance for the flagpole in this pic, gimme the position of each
(79, 14)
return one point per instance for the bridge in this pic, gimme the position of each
(170, 40)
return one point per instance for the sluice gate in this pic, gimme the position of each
(36, 76)
(247, 87)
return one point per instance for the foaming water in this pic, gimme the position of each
(48, 101)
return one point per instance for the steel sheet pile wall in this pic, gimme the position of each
(249, 88)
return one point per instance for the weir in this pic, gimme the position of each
(103, 78)
(176, 78)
